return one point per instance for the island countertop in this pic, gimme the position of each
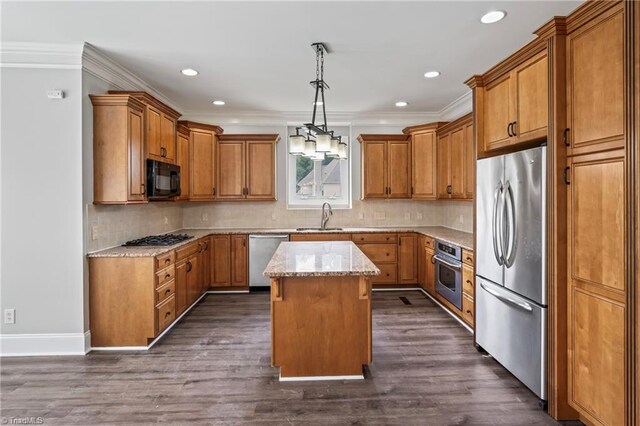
(309, 259)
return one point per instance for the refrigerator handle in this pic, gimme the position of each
(510, 237)
(497, 251)
(523, 305)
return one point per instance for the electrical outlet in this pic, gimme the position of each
(9, 316)
(55, 94)
(419, 216)
(95, 232)
(205, 217)
(407, 216)
(379, 215)
(166, 220)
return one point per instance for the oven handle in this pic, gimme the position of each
(523, 305)
(451, 265)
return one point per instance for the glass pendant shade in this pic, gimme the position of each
(323, 143)
(296, 145)
(309, 148)
(319, 156)
(342, 151)
(334, 148)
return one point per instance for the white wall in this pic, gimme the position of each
(42, 227)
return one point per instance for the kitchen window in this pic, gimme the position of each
(310, 183)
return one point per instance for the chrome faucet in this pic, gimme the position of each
(326, 214)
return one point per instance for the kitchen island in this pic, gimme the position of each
(320, 310)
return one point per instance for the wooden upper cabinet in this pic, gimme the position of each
(595, 84)
(119, 166)
(456, 163)
(423, 166)
(531, 84)
(407, 258)
(160, 129)
(239, 261)
(247, 167)
(443, 167)
(183, 160)
(497, 114)
(469, 162)
(386, 166)
(202, 154)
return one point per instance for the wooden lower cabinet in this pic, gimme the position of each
(430, 271)
(239, 261)
(229, 259)
(320, 237)
(407, 258)
(182, 271)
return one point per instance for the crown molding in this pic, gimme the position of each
(101, 66)
(41, 55)
(456, 109)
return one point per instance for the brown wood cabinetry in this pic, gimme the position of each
(247, 167)
(430, 270)
(407, 258)
(423, 160)
(320, 237)
(183, 160)
(239, 261)
(160, 129)
(382, 250)
(386, 166)
(229, 261)
(119, 167)
(456, 159)
(202, 164)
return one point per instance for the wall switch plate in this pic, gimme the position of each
(205, 217)
(379, 215)
(9, 316)
(55, 94)
(407, 216)
(419, 216)
(95, 232)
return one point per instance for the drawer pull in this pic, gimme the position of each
(388, 254)
(166, 261)
(469, 282)
(167, 276)
(468, 258)
(167, 314)
(469, 312)
(167, 291)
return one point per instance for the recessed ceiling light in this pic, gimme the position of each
(402, 104)
(189, 72)
(431, 74)
(493, 16)
(219, 103)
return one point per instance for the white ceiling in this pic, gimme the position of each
(256, 55)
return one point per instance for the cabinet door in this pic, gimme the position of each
(597, 289)
(261, 170)
(193, 278)
(531, 83)
(407, 262)
(374, 169)
(430, 272)
(182, 159)
(497, 114)
(456, 163)
(469, 162)
(230, 170)
(154, 133)
(205, 265)
(595, 84)
(443, 166)
(421, 257)
(239, 266)
(220, 260)
(423, 166)
(137, 163)
(399, 169)
(168, 142)
(202, 153)
(181, 287)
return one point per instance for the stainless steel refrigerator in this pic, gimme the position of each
(511, 288)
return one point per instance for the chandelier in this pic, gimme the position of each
(319, 141)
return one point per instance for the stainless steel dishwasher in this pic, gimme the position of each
(261, 249)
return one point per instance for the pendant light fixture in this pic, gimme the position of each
(320, 142)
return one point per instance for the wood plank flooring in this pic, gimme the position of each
(214, 368)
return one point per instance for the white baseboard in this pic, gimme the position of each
(397, 289)
(44, 344)
(319, 378)
(228, 292)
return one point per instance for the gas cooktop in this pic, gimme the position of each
(158, 240)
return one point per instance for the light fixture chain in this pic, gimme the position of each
(318, 62)
(322, 64)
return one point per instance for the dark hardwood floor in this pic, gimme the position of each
(214, 367)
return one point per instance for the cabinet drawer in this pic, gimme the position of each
(380, 252)
(429, 242)
(165, 260)
(467, 257)
(188, 250)
(166, 312)
(166, 291)
(388, 274)
(467, 280)
(375, 238)
(164, 276)
(467, 310)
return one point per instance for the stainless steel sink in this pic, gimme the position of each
(319, 229)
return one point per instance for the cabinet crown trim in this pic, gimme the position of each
(192, 125)
(149, 100)
(423, 127)
(250, 137)
(380, 137)
(116, 100)
(459, 122)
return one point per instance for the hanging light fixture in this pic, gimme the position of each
(319, 138)
(342, 151)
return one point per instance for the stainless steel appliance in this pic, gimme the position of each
(511, 287)
(163, 179)
(261, 249)
(448, 260)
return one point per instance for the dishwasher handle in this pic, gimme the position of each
(262, 237)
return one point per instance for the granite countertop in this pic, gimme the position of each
(453, 236)
(313, 259)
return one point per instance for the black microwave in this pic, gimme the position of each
(163, 179)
